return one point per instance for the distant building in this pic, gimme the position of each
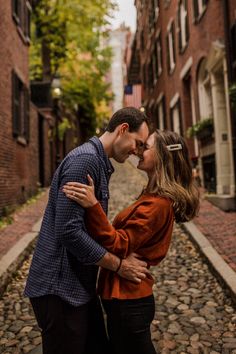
(132, 79)
(187, 62)
(118, 42)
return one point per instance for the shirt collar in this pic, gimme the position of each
(97, 143)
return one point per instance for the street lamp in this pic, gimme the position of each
(56, 95)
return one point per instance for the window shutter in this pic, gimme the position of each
(179, 27)
(180, 117)
(26, 114)
(27, 14)
(173, 36)
(15, 105)
(168, 51)
(196, 9)
(15, 10)
(186, 21)
(233, 42)
(164, 112)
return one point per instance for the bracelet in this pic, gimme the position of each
(118, 268)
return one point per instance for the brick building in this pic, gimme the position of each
(25, 159)
(186, 66)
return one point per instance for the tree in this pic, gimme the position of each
(67, 37)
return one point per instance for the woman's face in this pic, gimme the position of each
(147, 159)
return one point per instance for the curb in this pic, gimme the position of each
(14, 258)
(224, 273)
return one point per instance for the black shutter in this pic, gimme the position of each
(180, 117)
(26, 115)
(16, 127)
(179, 26)
(233, 42)
(186, 21)
(15, 10)
(27, 13)
(163, 102)
(168, 51)
(195, 9)
(173, 36)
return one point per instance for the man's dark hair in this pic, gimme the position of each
(133, 116)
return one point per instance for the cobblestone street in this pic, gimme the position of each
(193, 314)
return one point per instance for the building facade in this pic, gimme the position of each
(23, 134)
(186, 68)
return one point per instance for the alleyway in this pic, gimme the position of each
(193, 314)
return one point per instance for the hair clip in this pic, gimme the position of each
(174, 147)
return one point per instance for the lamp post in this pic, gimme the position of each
(56, 94)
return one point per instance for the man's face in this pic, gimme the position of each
(128, 143)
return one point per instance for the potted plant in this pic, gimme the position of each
(202, 129)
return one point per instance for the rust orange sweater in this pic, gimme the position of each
(145, 227)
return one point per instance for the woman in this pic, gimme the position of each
(145, 227)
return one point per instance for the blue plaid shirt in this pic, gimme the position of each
(64, 259)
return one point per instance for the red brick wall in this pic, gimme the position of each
(18, 163)
(209, 29)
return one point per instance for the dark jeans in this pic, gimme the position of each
(128, 324)
(67, 329)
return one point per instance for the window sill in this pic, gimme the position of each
(200, 16)
(21, 140)
(183, 49)
(25, 39)
(171, 71)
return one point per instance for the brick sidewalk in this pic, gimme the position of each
(23, 221)
(220, 229)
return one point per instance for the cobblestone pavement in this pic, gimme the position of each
(193, 314)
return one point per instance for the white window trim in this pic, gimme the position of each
(174, 100)
(186, 67)
(183, 20)
(171, 45)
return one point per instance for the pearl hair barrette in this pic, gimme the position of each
(174, 147)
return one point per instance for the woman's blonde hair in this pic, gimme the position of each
(173, 175)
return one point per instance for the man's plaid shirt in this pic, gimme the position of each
(64, 259)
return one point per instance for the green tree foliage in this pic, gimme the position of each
(68, 39)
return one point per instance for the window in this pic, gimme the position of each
(142, 41)
(204, 92)
(144, 79)
(183, 25)
(199, 7)
(175, 114)
(150, 74)
(233, 52)
(171, 47)
(20, 109)
(21, 11)
(154, 66)
(158, 56)
(153, 13)
(161, 114)
(156, 8)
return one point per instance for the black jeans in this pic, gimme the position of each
(128, 325)
(67, 329)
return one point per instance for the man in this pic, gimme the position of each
(62, 278)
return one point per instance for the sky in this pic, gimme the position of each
(126, 13)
